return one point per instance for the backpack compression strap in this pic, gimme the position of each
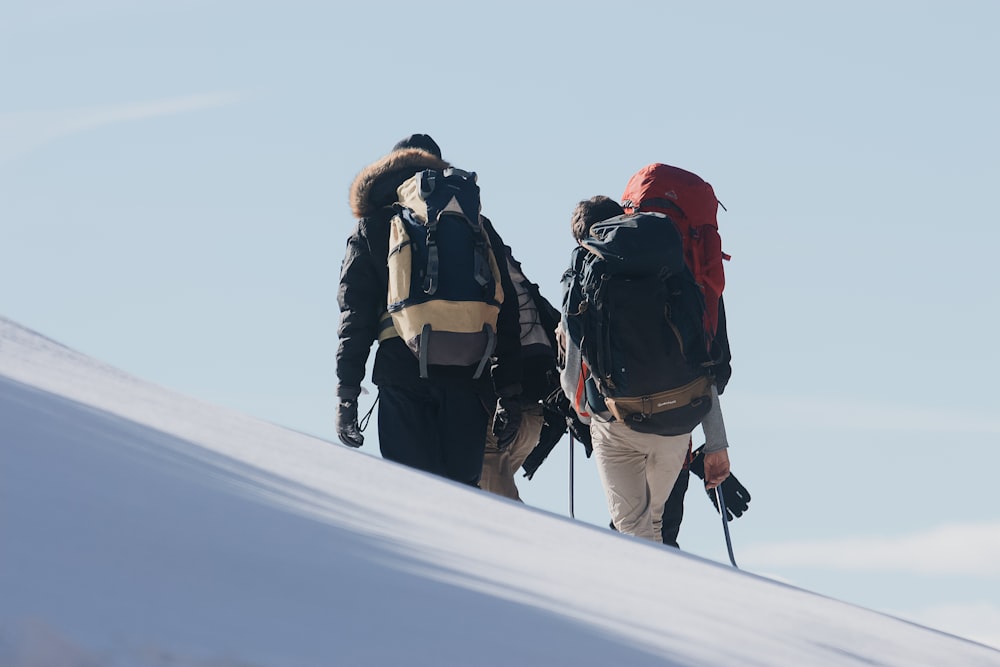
(483, 274)
(433, 259)
(482, 266)
(653, 203)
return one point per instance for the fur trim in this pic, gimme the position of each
(385, 175)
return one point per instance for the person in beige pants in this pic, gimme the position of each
(500, 465)
(637, 470)
(539, 377)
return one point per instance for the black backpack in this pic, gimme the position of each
(637, 313)
(444, 280)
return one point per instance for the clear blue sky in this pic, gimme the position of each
(173, 200)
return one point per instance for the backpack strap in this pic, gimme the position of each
(424, 346)
(490, 345)
(484, 274)
(655, 203)
(433, 260)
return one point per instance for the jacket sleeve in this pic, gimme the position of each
(572, 376)
(507, 369)
(572, 379)
(361, 298)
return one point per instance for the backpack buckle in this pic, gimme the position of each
(425, 183)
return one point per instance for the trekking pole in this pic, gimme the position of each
(725, 524)
(571, 448)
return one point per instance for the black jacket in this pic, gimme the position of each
(364, 284)
(724, 370)
(539, 320)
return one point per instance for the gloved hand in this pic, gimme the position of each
(507, 420)
(553, 429)
(735, 495)
(348, 429)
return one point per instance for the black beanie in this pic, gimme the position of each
(421, 141)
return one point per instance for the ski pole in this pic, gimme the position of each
(571, 448)
(725, 524)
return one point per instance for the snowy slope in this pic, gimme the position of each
(143, 528)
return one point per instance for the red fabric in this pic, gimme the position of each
(580, 399)
(650, 189)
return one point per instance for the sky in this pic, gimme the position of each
(173, 201)
(145, 528)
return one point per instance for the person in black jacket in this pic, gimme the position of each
(437, 424)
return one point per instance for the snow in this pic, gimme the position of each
(139, 527)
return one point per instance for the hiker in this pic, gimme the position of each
(691, 204)
(539, 378)
(637, 469)
(433, 409)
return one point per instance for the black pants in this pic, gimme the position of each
(673, 509)
(437, 428)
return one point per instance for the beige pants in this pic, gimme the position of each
(637, 470)
(499, 467)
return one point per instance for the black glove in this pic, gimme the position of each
(735, 495)
(507, 420)
(553, 429)
(348, 429)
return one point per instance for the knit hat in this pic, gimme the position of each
(421, 141)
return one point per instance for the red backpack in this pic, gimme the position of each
(691, 203)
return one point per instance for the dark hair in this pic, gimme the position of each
(421, 141)
(591, 211)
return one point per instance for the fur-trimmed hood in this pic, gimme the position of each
(375, 186)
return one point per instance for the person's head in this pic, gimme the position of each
(591, 211)
(421, 141)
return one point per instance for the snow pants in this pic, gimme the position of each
(638, 472)
(499, 467)
(437, 428)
